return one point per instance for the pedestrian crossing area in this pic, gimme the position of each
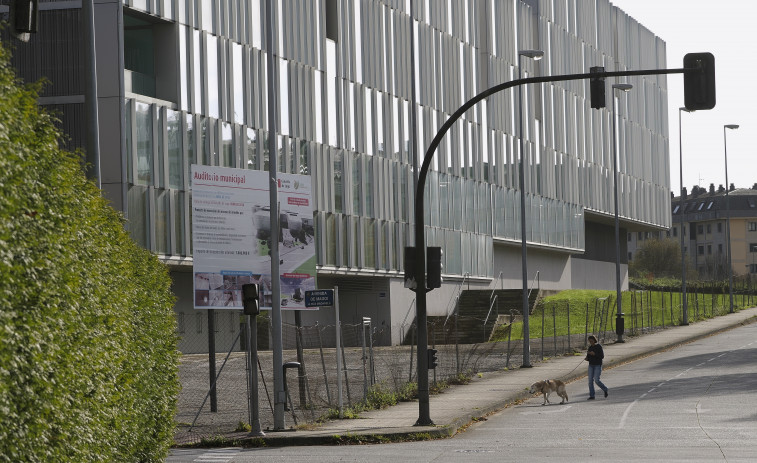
(223, 455)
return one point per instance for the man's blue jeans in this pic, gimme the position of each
(594, 372)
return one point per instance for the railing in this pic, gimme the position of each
(493, 294)
(491, 306)
(538, 285)
(493, 297)
(456, 297)
(404, 320)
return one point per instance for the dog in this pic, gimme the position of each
(547, 387)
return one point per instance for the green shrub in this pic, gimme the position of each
(88, 360)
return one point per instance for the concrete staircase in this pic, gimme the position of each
(473, 309)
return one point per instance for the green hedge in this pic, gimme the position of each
(88, 360)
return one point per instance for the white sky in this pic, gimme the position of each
(724, 28)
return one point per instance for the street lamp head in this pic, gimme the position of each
(534, 54)
(731, 126)
(623, 87)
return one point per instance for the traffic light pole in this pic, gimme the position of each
(424, 414)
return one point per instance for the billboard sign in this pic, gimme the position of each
(231, 237)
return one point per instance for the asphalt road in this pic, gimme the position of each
(692, 403)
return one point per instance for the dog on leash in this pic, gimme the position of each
(547, 387)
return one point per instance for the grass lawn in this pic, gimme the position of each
(579, 311)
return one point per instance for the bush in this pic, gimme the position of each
(88, 360)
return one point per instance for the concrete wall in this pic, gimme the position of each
(553, 267)
(592, 274)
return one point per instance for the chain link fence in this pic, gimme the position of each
(555, 329)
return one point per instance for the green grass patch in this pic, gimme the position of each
(581, 311)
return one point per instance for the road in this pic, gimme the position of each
(692, 403)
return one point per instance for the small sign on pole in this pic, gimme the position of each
(319, 298)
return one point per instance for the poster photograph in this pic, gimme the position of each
(232, 239)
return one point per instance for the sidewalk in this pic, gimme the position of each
(458, 406)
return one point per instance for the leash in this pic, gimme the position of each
(574, 369)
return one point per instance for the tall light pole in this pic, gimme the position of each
(279, 394)
(681, 210)
(535, 55)
(619, 320)
(728, 215)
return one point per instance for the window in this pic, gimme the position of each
(629, 237)
(752, 268)
(701, 205)
(639, 236)
(630, 256)
(709, 228)
(700, 250)
(720, 248)
(752, 226)
(752, 247)
(700, 229)
(667, 233)
(709, 206)
(144, 143)
(720, 227)
(675, 210)
(675, 232)
(173, 138)
(709, 249)
(149, 57)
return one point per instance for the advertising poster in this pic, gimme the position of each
(231, 237)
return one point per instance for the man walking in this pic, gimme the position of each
(594, 355)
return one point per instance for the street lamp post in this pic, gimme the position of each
(619, 320)
(535, 55)
(681, 209)
(728, 215)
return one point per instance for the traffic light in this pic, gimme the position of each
(433, 361)
(25, 14)
(250, 299)
(434, 267)
(699, 81)
(597, 88)
(410, 268)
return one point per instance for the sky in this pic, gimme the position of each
(723, 28)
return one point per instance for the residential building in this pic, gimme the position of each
(359, 84)
(705, 233)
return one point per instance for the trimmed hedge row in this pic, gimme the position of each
(88, 359)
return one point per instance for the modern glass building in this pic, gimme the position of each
(361, 87)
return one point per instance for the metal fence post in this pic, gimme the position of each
(365, 359)
(586, 331)
(542, 332)
(323, 364)
(567, 305)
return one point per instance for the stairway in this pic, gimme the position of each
(473, 308)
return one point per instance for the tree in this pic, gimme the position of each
(88, 360)
(660, 258)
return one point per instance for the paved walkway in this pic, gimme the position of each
(458, 406)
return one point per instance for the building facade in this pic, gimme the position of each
(706, 235)
(360, 86)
